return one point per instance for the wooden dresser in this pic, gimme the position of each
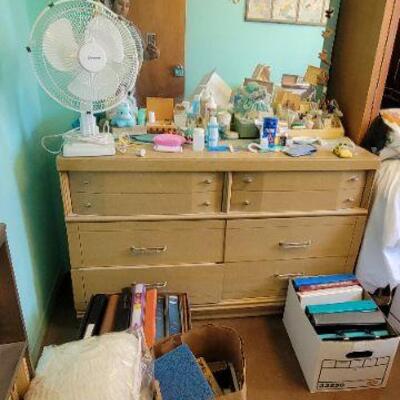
(229, 229)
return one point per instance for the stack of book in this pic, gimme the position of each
(339, 308)
(140, 307)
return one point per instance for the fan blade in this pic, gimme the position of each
(60, 46)
(107, 35)
(92, 87)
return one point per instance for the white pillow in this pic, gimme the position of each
(99, 368)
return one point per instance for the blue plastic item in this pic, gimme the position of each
(180, 376)
(348, 306)
(319, 280)
(123, 118)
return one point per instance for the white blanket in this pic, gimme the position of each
(379, 260)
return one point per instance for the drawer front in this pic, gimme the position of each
(147, 204)
(280, 201)
(270, 278)
(145, 182)
(297, 181)
(203, 283)
(150, 243)
(289, 238)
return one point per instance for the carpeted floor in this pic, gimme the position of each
(273, 372)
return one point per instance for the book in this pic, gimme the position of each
(150, 317)
(138, 306)
(333, 285)
(123, 314)
(174, 318)
(180, 376)
(332, 295)
(322, 279)
(160, 325)
(109, 316)
(349, 306)
(95, 314)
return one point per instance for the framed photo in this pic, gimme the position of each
(302, 12)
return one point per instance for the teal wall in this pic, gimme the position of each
(217, 36)
(29, 195)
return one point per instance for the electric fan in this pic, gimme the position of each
(86, 58)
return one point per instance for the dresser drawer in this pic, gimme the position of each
(148, 243)
(145, 182)
(296, 191)
(289, 238)
(297, 181)
(280, 201)
(146, 204)
(203, 283)
(270, 278)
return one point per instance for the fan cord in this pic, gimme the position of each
(44, 139)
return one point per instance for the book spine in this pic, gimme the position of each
(160, 327)
(150, 317)
(175, 325)
(138, 306)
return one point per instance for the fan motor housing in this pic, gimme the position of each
(92, 57)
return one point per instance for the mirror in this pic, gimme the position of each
(187, 39)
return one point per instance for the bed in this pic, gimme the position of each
(379, 261)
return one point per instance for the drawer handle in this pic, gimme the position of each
(354, 179)
(350, 200)
(88, 205)
(288, 276)
(148, 250)
(246, 202)
(207, 203)
(248, 179)
(295, 245)
(208, 181)
(86, 182)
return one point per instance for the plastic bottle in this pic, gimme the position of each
(198, 139)
(213, 132)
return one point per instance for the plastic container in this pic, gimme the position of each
(269, 131)
(198, 139)
(213, 132)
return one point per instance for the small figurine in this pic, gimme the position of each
(123, 117)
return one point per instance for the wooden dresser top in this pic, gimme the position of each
(322, 160)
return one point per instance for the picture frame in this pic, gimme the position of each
(297, 12)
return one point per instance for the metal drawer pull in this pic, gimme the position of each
(354, 179)
(248, 179)
(287, 276)
(207, 203)
(246, 203)
(148, 250)
(208, 181)
(295, 245)
(88, 205)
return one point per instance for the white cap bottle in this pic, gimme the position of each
(198, 139)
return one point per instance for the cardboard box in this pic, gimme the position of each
(394, 313)
(336, 366)
(213, 343)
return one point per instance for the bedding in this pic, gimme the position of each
(379, 261)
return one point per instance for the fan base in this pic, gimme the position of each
(78, 148)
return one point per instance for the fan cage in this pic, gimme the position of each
(79, 13)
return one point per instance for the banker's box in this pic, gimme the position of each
(331, 366)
